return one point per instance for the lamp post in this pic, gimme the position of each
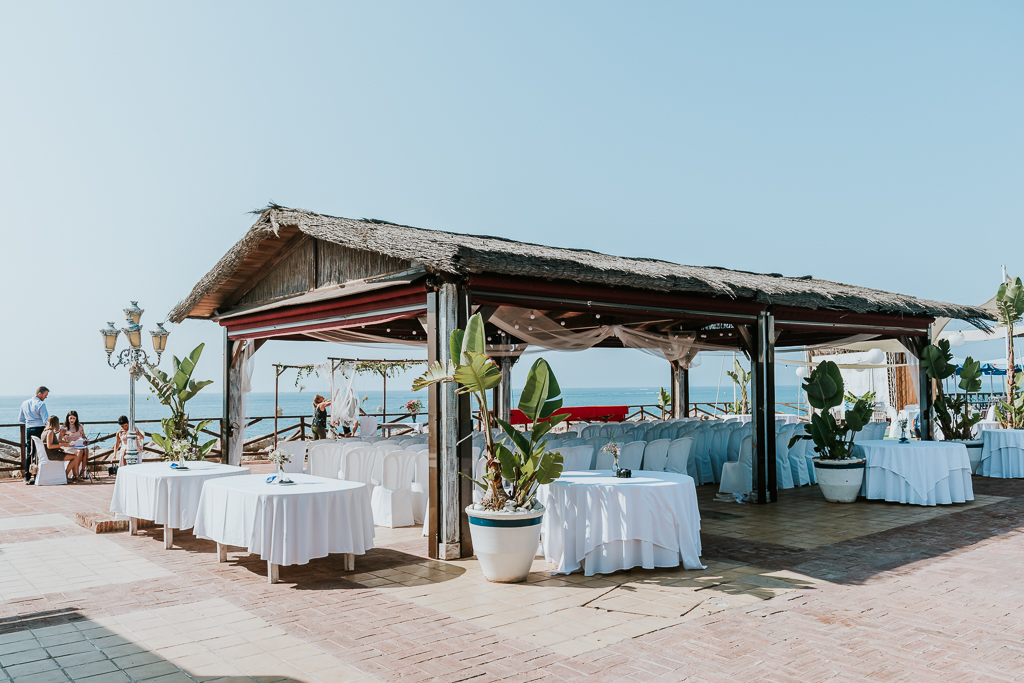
(133, 358)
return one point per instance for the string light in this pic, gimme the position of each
(530, 328)
(532, 316)
(388, 329)
(563, 323)
(517, 326)
(598, 315)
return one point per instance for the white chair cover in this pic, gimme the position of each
(679, 455)
(656, 455)
(357, 465)
(597, 443)
(50, 472)
(575, 458)
(737, 476)
(381, 449)
(297, 450)
(783, 466)
(421, 487)
(632, 455)
(392, 500)
(367, 426)
(325, 459)
(719, 451)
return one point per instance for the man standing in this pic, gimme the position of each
(34, 416)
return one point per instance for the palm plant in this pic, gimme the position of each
(1010, 308)
(952, 412)
(824, 389)
(664, 401)
(528, 464)
(742, 378)
(174, 390)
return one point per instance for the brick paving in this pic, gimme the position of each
(936, 599)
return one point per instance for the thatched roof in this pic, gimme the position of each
(458, 254)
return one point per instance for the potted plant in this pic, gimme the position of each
(505, 525)
(175, 390)
(953, 413)
(840, 474)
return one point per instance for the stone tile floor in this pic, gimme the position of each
(800, 590)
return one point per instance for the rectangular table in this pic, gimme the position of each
(917, 473)
(166, 495)
(287, 525)
(604, 524)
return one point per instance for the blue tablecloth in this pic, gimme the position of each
(1003, 453)
(919, 472)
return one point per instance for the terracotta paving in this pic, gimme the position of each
(800, 590)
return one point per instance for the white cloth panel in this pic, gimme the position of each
(287, 525)
(1002, 454)
(604, 524)
(158, 492)
(918, 473)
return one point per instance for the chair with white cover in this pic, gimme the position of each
(700, 457)
(418, 447)
(736, 476)
(597, 443)
(357, 465)
(297, 451)
(325, 459)
(678, 454)
(631, 456)
(656, 455)
(591, 431)
(50, 472)
(575, 458)
(367, 426)
(785, 477)
(421, 487)
(382, 449)
(392, 500)
(719, 451)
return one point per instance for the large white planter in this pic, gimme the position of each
(505, 543)
(840, 480)
(973, 452)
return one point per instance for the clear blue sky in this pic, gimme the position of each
(875, 143)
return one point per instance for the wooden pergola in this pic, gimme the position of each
(298, 275)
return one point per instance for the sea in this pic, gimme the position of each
(107, 408)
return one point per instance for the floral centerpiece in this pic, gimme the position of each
(414, 408)
(903, 430)
(279, 458)
(182, 451)
(614, 449)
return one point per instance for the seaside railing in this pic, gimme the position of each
(288, 428)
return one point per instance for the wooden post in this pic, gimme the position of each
(676, 388)
(504, 409)
(686, 393)
(924, 395)
(762, 371)
(464, 447)
(433, 521)
(222, 553)
(233, 389)
(168, 537)
(225, 427)
(277, 378)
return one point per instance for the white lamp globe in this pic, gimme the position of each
(875, 357)
(803, 372)
(957, 338)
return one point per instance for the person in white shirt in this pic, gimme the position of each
(34, 416)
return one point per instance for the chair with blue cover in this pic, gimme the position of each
(656, 455)
(679, 455)
(737, 476)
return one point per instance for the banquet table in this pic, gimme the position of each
(287, 524)
(603, 524)
(164, 494)
(985, 425)
(1002, 454)
(918, 473)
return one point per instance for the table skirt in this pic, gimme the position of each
(1002, 454)
(884, 484)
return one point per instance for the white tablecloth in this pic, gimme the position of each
(1002, 455)
(919, 472)
(985, 425)
(155, 491)
(287, 525)
(605, 524)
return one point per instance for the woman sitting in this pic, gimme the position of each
(74, 432)
(121, 440)
(53, 439)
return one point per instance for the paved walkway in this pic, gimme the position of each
(801, 590)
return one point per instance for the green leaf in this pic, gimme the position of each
(475, 340)
(478, 373)
(435, 373)
(484, 487)
(517, 437)
(205, 449)
(824, 387)
(538, 399)
(455, 345)
(550, 468)
(508, 461)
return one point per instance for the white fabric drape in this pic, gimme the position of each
(345, 405)
(245, 368)
(539, 330)
(354, 338)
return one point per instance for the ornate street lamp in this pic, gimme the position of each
(133, 358)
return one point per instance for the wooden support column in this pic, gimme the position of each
(464, 444)
(675, 388)
(925, 394)
(449, 421)
(233, 418)
(762, 379)
(504, 407)
(225, 428)
(686, 392)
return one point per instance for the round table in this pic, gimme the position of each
(604, 524)
(1002, 454)
(161, 493)
(287, 525)
(918, 472)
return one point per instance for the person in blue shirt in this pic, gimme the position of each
(34, 416)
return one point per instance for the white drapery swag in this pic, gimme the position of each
(344, 404)
(539, 330)
(245, 368)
